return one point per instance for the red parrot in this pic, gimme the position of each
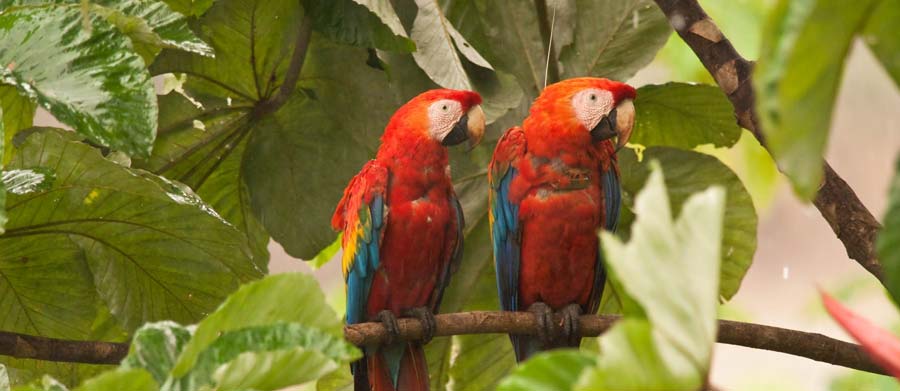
(402, 226)
(554, 185)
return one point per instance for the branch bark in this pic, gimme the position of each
(50, 349)
(810, 345)
(850, 220)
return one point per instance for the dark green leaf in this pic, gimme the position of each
(482, 361)
(18, 113)
(614, 39)
(797, 78)
(149, 253)
(94, 83)
(688, 172)
(888, 244)
(684, 116)
(260, 303)
(27, 181)
(152, 25)
(363, 23)
(883, 36)
(555, 370)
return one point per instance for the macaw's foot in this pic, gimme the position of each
(389, 320)
(544, 317)
(426, 317)
(570, 328)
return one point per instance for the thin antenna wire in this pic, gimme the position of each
(549, 47)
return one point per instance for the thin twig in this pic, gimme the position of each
(850, 220)
(798, 343)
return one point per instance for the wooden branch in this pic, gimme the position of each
(50, 349)
(850, 220)
(798, 343)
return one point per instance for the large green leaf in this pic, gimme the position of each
(797, 79)
(270, 357)
(94, 83)
(190, 7)
(363, 23)
(668, 343)
(888, 243)
(883, 37)
(130, 379)
(155, 347)
(18, 114)
(277, 298)
(614, 39)
(280, 154)
(688, 172)
(149, 253)
(556, 370)
(684, 116)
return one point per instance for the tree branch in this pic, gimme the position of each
(50, 349)
(853, 224)
(810, 345)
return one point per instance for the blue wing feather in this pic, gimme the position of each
(612, 196)
(506, 242)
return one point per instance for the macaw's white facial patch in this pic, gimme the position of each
(591, 105)
(443, 115)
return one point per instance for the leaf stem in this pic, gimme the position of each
(301, 46)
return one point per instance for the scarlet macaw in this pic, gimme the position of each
(402, 226)
(554, 184)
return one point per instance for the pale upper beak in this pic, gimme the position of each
(470, 127)
(618, 123)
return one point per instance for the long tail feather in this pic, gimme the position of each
(411, 376)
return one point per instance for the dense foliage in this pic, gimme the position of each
(201, 129)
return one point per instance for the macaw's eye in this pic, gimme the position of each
(444, 107)
(593, 97)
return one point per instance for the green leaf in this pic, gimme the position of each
(363, 23)
(437, 42)
(2, 189)
(131, 380)
(341, 380)
(94, 83)
(155, 347)
(4, 378)
(482, 361)
(555, 370)
(27, 181)
(269, 357)
(683, 116)
(888, 243)
(150, 254)
(326, 254)
(260, 303)
(883, 38)
(152, 26)
(797, 78)
(190, 7)
(668, 345)
(614, 39)
(688, 172)
(18, 113)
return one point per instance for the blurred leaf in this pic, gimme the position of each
(105, 228)
(883, 37)
(797, 79)
(882, 346)
(269, 357)
(554, 370)
(689, 172)
(326, 254)
(341, 380)
(683, 116)
(152, 26)
(669, 346)
(2, 193)
(482, 361)
(854, 380)
(614, 39)
(4, 379)
(94, 83)
(18, 114)
(27, 181)
(190, 7)
(273, 299)
(155, 347)
(888, 243)
(130, 379)
(363, 23)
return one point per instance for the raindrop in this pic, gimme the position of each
(635, 18)
(228, 100)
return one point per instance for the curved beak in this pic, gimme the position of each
(470, 127)
(618, 123)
